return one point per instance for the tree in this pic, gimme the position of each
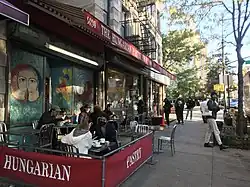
(179, 49)
(212, 75)
(239, 12)
(186, 84)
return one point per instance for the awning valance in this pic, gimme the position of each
(10, 11)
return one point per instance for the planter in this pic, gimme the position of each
(236, 142)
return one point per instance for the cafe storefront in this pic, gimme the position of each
(51, 70)
(157, 92)
(48, 70)
(124, 77)
(55, 62)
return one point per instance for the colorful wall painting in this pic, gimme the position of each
(26, 95)
(61, 78)
(25, 83)
(83, 88)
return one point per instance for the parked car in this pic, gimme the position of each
(234, 103)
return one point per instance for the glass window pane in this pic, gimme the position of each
(2, 108)
(106, 5)
(116, 90)
(2, 72)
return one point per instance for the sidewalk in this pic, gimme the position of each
(193, 165)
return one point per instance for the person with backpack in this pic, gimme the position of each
(190, 106)
(179, 108)
(210, 112)
(167, 109)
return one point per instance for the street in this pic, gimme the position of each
(193, 165)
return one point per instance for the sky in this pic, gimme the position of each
(215, 44)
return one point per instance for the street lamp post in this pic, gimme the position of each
(223, 60)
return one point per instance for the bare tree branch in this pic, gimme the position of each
(239, 18)
(233, 19)
(225, 6)
(244, 33)
(230, 43)
(169, 65)
(246, 17)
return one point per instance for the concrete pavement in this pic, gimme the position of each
(193, 165)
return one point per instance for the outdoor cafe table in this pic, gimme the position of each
(100, 150)
(23, 132)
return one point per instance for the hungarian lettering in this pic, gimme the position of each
(41, 169)
(132, 159)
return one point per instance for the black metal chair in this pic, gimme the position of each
(4, 136)
(71, 150)
(168, 140)
(46, 136)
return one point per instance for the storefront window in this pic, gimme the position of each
(116, 92)
(2, 78)
(83, 91)
(122, 92)
(62, 81)
(100, 90)
(156, 97)
(72, 86)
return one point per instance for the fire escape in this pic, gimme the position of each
(142, 37)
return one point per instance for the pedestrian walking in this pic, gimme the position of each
(179, 108)
(211, 110)
(190, 106)
(167, 109)
(203, 105)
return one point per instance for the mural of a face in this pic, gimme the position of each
(25, 82)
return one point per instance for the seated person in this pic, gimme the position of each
(94, 118)
(63, 118)
(80, 137)
(107, 131)
(108, 112)
(50, 116)
(84, 112)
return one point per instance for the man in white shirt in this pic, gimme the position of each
(210, 112)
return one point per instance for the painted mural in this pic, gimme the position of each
(61, 79)
(26, 93)
(83, 88)
(25, 83)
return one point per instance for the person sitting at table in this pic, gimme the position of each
(94, 118)
(50, 116)
(63, 118)
(84, 112)
(109, 132)
(80, 137)
(108, 112)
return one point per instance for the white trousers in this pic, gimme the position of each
(212, 127)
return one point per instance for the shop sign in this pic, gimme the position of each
(102, 30)
(99, 28)
(219, 87)
(128, 160)
(48, 170)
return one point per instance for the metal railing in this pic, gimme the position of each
(64, 153)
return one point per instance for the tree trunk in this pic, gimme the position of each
(240, 121)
